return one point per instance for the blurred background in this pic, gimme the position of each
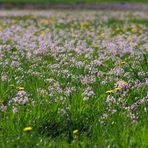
(73, 1)
(74, 4)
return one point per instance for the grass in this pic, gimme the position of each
(56, 71)
(74, 1)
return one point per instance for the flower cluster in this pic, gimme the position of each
(61, 55)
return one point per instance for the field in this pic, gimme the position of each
(74, 1)
(73, 79)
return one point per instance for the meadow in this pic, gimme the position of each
(73, 79)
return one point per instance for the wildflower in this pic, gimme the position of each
(133, 30)
(117, 88)
(4, 78)
(20, 88)
(45, 22)
(146, 82)
(27, 129)
(88, 92)
(109, 91)
(75, 131)
(120, 63)
(118, 70)
(3, 108)
(122, 84)
(85, 24)
(95, 46)
(42, 32)
(20, 98)
(123, 62)
(110, 99)
(15, 110)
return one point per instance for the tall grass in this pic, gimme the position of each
(73, 79)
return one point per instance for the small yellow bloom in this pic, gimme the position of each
(45, 22)
(117, 88)
(20, 88)
(14, 21)
(109, 91)
(123, 62)
(136, 44)
(85, 24)
(133, 30)
(95, 46)
(75, 131)
(42, 32)
(27, 129)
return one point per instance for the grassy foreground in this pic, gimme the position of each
(74, 1)
(73, 79)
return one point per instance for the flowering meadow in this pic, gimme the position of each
(73, 79)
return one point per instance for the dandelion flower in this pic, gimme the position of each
(109, 91)
(95, 46)
(117, 88)
(45, 22)
(75, 131)
(42, 32)
(123, 62)
(27, 129)
(20, 88)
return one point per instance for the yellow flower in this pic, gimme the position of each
(117, 88)
(123, 62)
(45, 22)
(27, 129)
(14, 21)
(95, 46)
(136, 44)
(75, 131)
(42, 32)
(133, 30)
(85, 24)
(20, 88)
(109, 91)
